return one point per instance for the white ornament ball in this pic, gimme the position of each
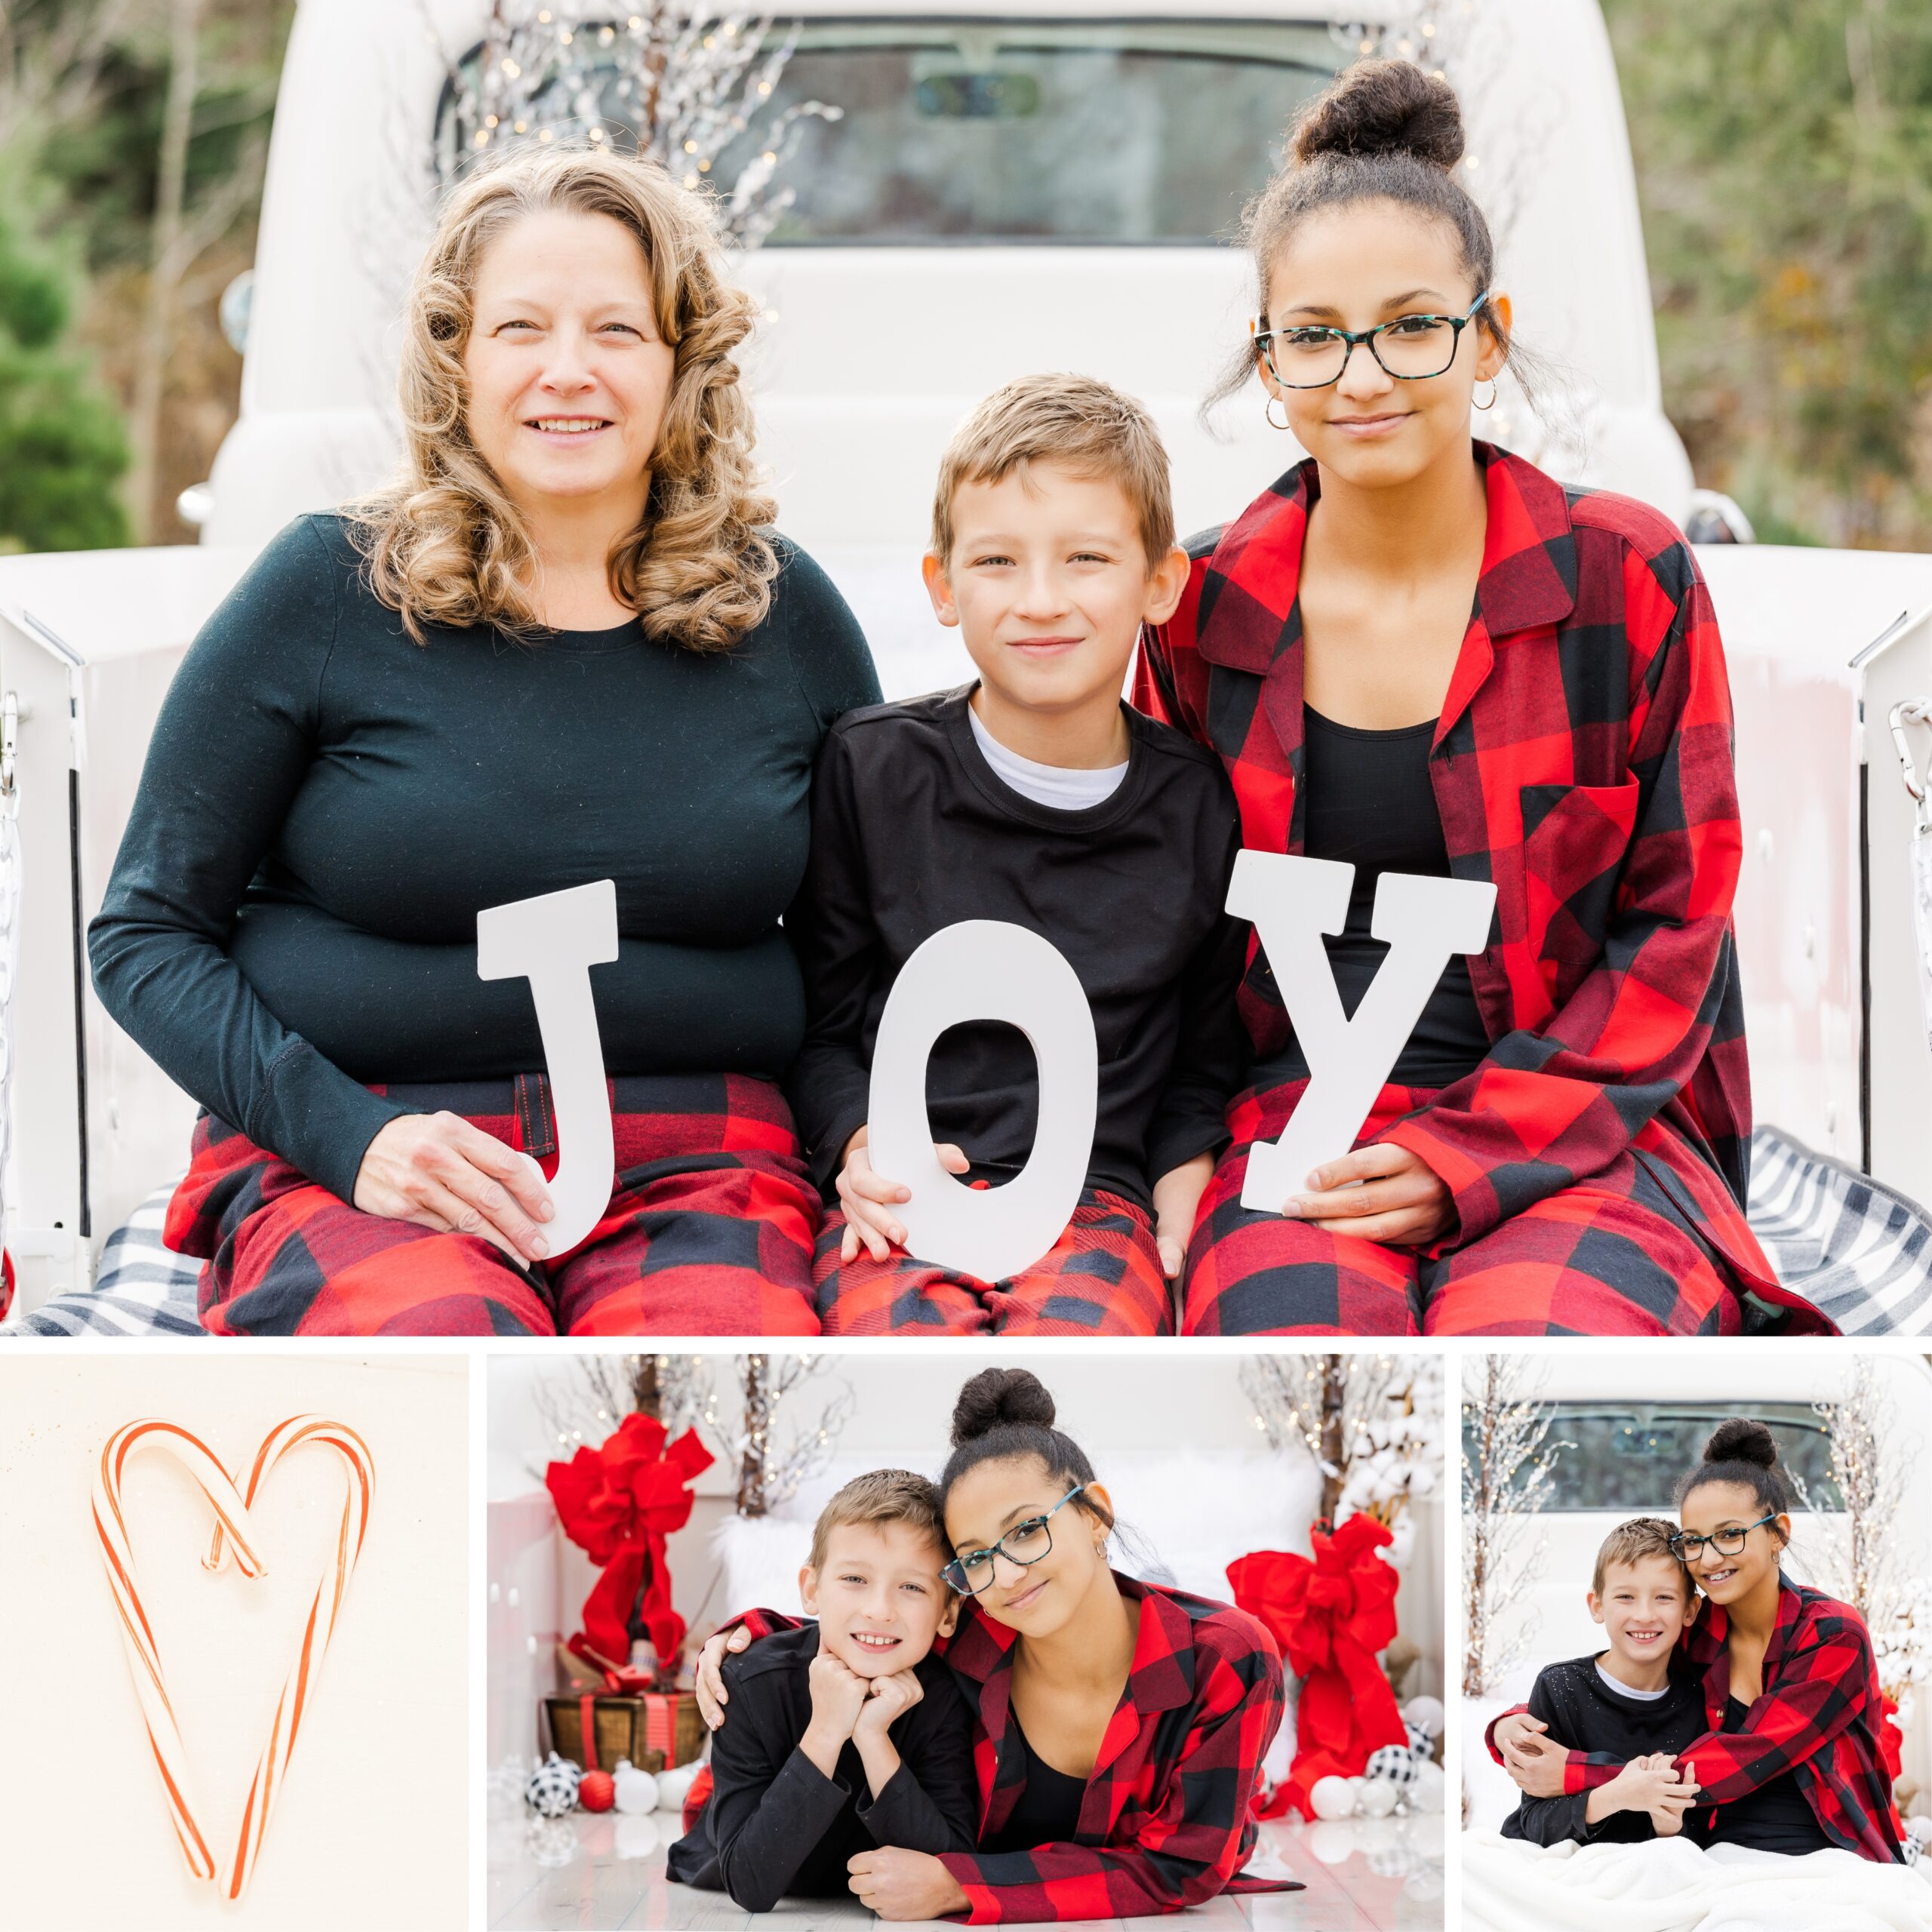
(1331, 1797)
(1425, 1714)
(552, 1791)
(1429, 1791)
(1919, 1827)
(674, 1786)
(636, 1790)
(1392, 1764)
(1377, 1799)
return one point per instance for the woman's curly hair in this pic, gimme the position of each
(445, 545)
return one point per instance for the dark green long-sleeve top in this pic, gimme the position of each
(327, 806)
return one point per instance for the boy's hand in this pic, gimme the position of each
(869, 1198)
(891, 1698)
(838, 1695)
(1176, 1200)
(900, 1884)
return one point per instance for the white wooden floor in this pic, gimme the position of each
(599, 1874)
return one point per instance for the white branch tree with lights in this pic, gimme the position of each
(773, 1448)
(1876, 1469)
(1372, 1424)
(682, 82)
(1508, 1465)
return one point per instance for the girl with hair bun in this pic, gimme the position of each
(1791, 1762)
(1416, 653)
(1120, 1725)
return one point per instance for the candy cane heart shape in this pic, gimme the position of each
(230, 1537)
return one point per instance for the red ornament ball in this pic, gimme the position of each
(596, 1792)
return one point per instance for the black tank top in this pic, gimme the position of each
(1369, 802)
(1047, 1809)
(1777, 1816)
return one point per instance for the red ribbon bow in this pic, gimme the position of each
(620, 1503)
(1330, 1613)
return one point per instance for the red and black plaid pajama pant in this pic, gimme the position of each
(708, 1230)
(1102, 1277)
(1611, 1256)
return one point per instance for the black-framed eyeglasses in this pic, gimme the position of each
(1024, 1544)
(1411, 349)
(1729, 1543)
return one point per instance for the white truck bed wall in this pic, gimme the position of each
(88, 642)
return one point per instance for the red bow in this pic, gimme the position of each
(619, 1503)
(1331, 1614)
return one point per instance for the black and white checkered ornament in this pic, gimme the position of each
(1912, 1850)
(1394, 1764)
(552, 1791)
(1420, 1742)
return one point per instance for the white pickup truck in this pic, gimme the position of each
(1012, 186)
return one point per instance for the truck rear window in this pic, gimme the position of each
(965, 131)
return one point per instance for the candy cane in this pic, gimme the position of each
(231, 1512)
(319, 1627)
(143, 1657)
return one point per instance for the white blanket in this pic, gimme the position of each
(1670, 1885)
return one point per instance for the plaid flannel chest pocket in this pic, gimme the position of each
(1574, 840)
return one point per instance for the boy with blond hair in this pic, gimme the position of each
(848, 1733)
(1624, 1702)
(1035, 796)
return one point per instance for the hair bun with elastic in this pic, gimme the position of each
(997, 1397)
(1741, 1440)
(1380, 107)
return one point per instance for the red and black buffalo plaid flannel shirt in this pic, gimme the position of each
(1582, 763)
(1817, 1717)
(1168, 1820)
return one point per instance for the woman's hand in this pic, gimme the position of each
(709, 1682)
(439, 1172)
(1176, 1200)
(867, 1199)
(1404, 1202)
(905, 1885)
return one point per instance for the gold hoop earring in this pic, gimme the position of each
(1269, 413)
(1491, 403)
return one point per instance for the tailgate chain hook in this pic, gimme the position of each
(1913, 711)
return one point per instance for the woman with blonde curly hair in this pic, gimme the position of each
(565, 645)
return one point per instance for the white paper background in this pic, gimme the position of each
(371, 1826)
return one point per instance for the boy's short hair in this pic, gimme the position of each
(880, 1496)
(1632, 1541)
(1077, 420)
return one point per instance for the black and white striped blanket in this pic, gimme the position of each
(1850, 1244)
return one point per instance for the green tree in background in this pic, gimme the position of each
(62, 450)
(1784, 158)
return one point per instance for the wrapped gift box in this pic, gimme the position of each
(657, 1731)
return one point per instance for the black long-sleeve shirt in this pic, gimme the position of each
(326, 807)
(1586, 1714)
(776, 1824)
(912, 831)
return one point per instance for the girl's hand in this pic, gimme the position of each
(867, 1199)
(1176, 1200)
(1405, 1201)
(905, 1885)
(709, 1682)
(439, 1172)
